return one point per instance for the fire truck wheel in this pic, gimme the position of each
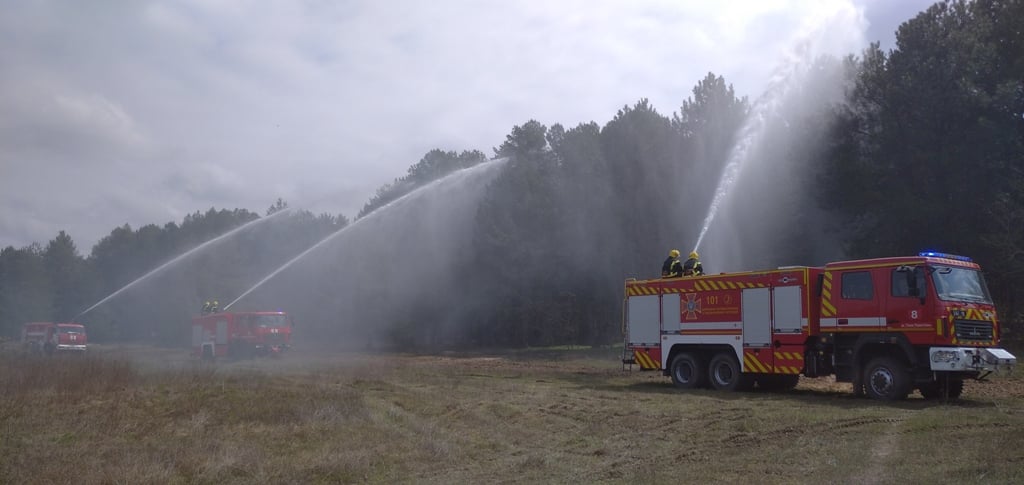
(725, 374)
(936, 390)
(687, 371)
(886, 379)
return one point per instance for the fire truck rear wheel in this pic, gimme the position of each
(886, 379)
(687, 371)
(726, 375)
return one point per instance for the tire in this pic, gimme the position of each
(725, 374)
(687, 371)
(886, 379)
(942, 389)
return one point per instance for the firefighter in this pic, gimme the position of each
(216, 306)
(692, 266)
(672, 268)
(206, 307)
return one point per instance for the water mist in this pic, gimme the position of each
(835, 31)
(373, 228)
(182, 257)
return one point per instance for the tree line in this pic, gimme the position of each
(890, 153)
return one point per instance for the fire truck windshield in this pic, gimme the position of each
(63, 329)
(960, 284)
(267, 321)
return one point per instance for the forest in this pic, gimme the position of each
(880, 153)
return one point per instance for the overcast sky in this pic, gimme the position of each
(138, 112)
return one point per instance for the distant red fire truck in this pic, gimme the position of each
(50, 337)
(888, 326)
(241, 334)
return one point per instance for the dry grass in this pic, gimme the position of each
(131, 415)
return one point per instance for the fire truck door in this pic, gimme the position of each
(857, 305)
(757, 317)
(902, 299)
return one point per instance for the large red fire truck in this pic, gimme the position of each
(50, 337)
(241, 334)
(888, 326)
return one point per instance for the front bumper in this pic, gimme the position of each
(970, 359)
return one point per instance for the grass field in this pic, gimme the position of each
(147, 415)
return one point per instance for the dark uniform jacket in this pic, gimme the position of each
(692, 267)
(671, 268)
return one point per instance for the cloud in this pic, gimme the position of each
(142, 112)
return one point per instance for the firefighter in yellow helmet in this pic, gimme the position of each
(672, 268)
(215, 307)
(692, 266)
(206, 307)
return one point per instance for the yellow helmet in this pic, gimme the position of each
(674, 253)
(694, 255)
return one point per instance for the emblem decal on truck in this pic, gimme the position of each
(692, 306)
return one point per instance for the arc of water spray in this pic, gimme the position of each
(791, 71)
(181, 257)
(750, 135)
(371, 215)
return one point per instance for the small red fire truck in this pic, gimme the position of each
(241, 334)
(887, 325)
(49, 337)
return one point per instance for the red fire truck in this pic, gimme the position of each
(50, 337)
(888, 326)
(241, 334)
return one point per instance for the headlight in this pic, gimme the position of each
(945, 356)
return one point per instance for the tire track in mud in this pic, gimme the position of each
(878, 460)
(842, 425)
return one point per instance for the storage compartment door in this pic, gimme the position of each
(222, 332)
(643, 325)
(788, 317)
(757, 325)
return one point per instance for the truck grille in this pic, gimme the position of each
(273, 338)
(973, 331)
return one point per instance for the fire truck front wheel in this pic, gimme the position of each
(886, 379)
(687, 371)
(726, 375)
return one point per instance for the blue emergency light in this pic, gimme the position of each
(933, 254)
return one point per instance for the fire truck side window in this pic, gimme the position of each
(902, 279)
(857, 286)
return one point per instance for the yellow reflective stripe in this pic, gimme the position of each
(645, 361)
(829, 310)
(788, 356)
(754, 364)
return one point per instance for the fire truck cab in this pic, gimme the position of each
(886, 325)
(241, 334)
